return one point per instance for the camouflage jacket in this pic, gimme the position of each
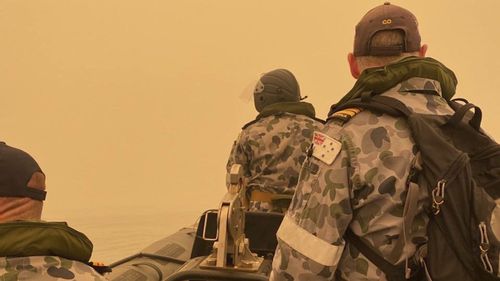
(272, 148)
(46, 268)
(355, 177)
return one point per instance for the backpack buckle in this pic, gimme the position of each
(484, 246)
(438, 196)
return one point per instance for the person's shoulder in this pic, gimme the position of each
(343, 116)
(264, 121)
(313, 119)
(244, 127)
(357, 119)
(48, 268)
(366, 130)
(421, 95)
(279, 123)
(298, 118)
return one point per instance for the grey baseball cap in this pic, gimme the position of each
(386, 17)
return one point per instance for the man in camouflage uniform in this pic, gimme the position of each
(31, 249)
(356, 175)
(272, 148)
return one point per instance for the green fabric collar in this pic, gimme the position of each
(381, 79)
(39, 238)
(302, 108)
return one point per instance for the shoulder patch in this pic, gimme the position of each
(325, 148)
(345, 115)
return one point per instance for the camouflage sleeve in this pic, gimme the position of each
(238, 156)
(310, 241)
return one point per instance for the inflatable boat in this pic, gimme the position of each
(228, 243)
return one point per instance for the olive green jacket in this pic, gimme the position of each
(46, 251)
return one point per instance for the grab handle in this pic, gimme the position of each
(459, 115)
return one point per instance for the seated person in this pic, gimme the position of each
(31, 249)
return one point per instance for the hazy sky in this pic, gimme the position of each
(136, 103)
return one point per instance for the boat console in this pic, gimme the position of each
(228, 244)
(231, 243)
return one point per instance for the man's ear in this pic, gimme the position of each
(422, 51)
(353, 65)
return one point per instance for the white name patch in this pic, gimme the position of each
(325, 148)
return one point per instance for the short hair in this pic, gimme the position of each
(384, 38)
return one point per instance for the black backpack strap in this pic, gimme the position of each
(392, 103)
(392, 272)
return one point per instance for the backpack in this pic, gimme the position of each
(460, 167)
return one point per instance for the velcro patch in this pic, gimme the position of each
(325, 148)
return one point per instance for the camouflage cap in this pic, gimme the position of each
(386, 17)
(16, 169)
(278, 85)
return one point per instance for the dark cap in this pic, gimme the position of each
(16, 169)
(386, 17)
